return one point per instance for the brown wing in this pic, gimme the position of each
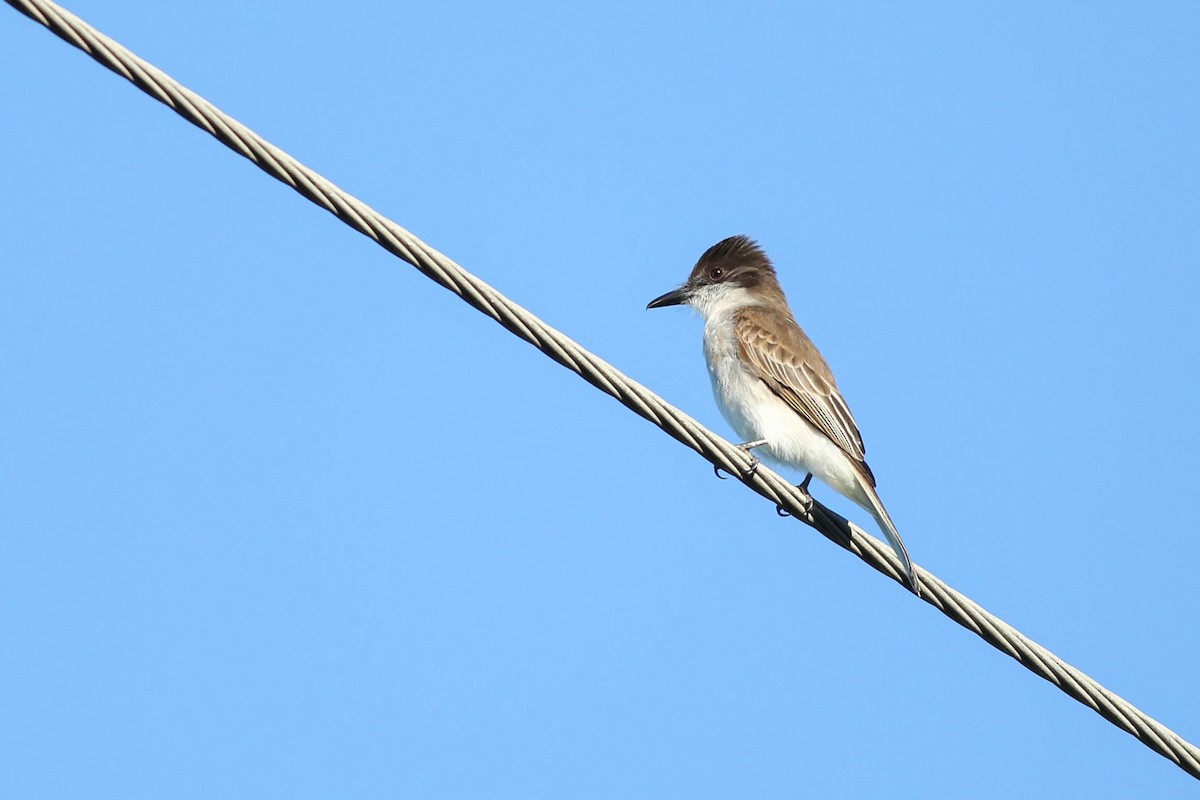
(789, 363)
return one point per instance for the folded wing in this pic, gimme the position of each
(792, 367)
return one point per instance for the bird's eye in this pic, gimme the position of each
(716, 273)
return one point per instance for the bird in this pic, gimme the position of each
(772, 384)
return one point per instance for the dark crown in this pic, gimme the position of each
(734, 251)
(737, 260)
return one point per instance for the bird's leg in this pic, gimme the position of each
(745, 447)
(802, 486)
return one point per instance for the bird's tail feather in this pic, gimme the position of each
(875, 506)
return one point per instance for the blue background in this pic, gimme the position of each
(282, 518)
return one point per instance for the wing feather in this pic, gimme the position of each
(787, 361)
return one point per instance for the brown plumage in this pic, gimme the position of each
(789, 363)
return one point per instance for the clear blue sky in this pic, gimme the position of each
(282, 518)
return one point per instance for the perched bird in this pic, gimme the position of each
(770, 381)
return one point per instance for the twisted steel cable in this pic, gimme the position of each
(608, 379)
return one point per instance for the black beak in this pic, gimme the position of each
(674, 297)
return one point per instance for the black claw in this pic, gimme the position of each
(781, 511)
(717, 472)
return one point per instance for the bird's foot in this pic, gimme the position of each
(745, 447)
(808, 506)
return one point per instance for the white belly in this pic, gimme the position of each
(755, 412)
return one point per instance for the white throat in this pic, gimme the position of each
(722, 300)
